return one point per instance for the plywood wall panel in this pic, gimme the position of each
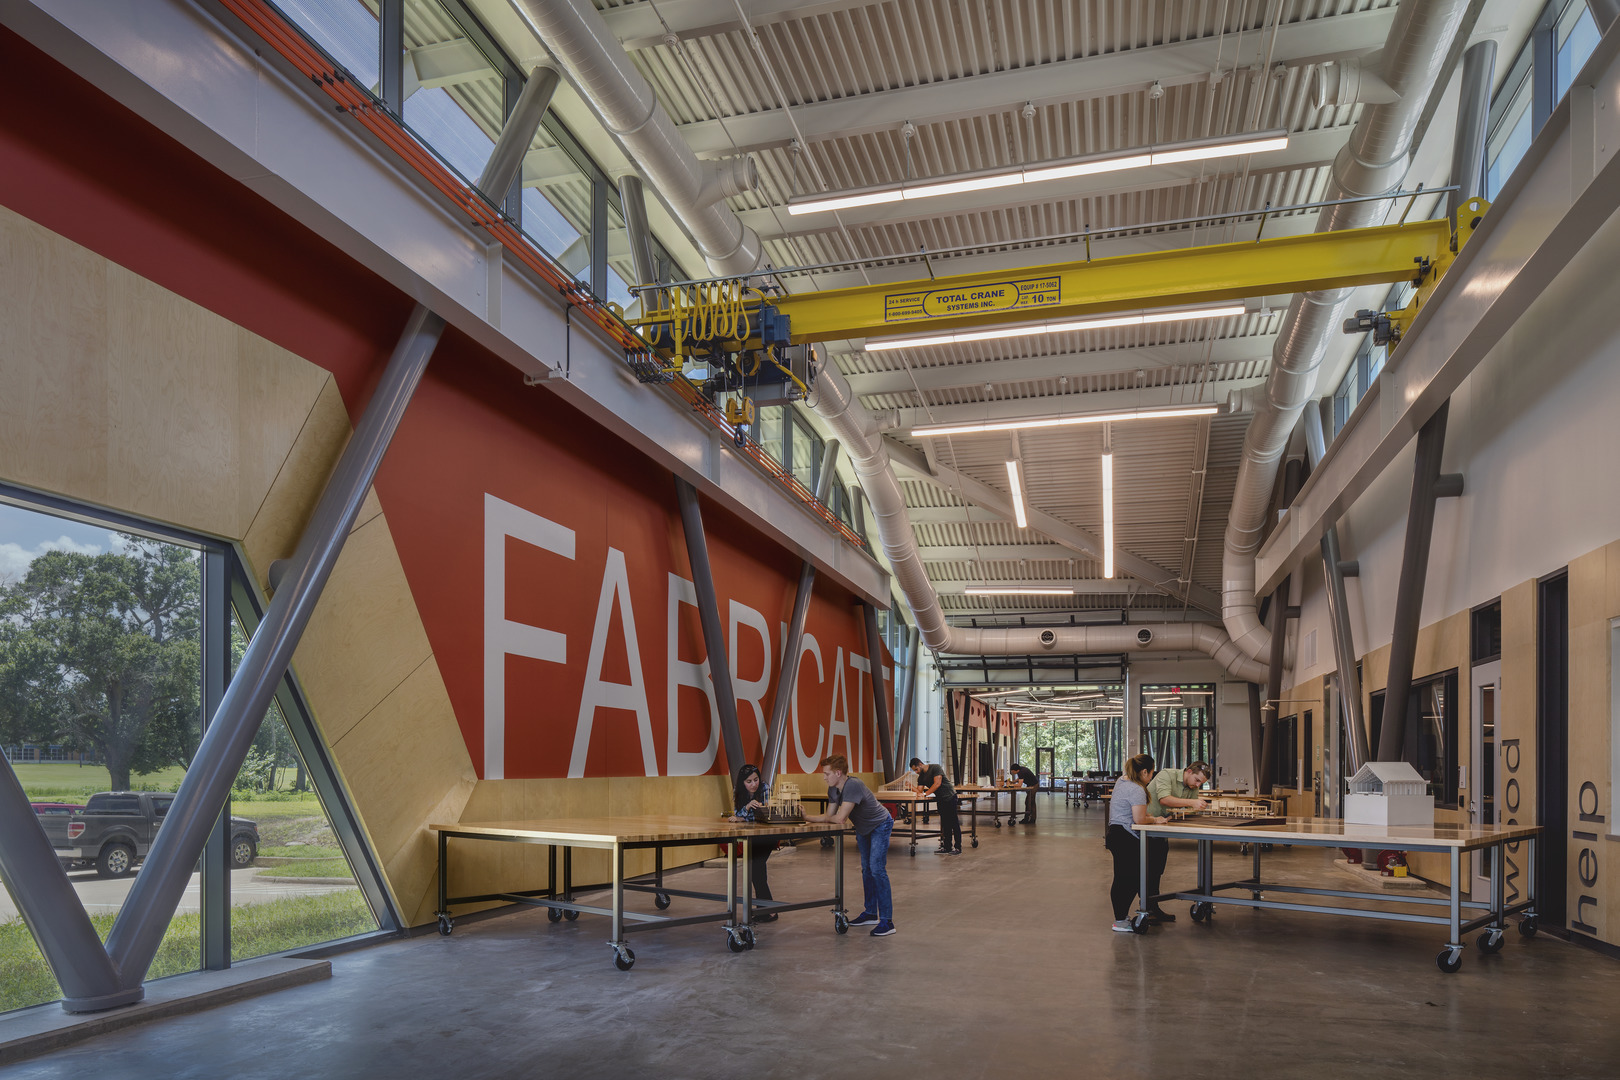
(53, 374)
(289, 500)
(1591, 857)
(276, 392)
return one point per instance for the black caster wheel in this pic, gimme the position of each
(840, 922)
(661, 901)
(446, 925)
(1202, 912)
(734, 941)
(1528, 926)
(1449, 961)
(570, 915)
(1491, 942)
(624, 959)
(826, 841)
(747, 933)
(554, 914)
(913, 853)
(1139, 923)
(975, 841)
(998, 823)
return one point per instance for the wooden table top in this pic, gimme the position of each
(988, 788)
(1438, 835)
(607, 831)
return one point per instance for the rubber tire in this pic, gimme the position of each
(998, 823)
(661, 901)
(243, 851)
(975, 841)
(1449, 962)
(570, 915)
(747, 933)
(115, 861)
(1139, 924)
(554, 914)
(1202, 912)
(1528, 928)
(735, 943)
(913, 853)
(624, 961)
(446, 924)
(840, 922)
(1487, 946)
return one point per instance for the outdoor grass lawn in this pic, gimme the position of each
(302, 851)
(61, 782)
(317, 868)
(256, 930)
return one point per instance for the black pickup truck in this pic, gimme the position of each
(115, 830)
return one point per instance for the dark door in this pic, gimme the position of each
(1552, 747)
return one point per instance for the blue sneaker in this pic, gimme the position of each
(883, 929)
(865, 918)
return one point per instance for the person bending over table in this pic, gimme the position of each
(1031, 781)
(749, 794)
(1128, 808)
(849, 799)
(931, 781)
(1176, 790)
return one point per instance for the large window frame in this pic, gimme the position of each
(227, 592)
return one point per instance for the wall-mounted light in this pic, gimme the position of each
(1087, 165)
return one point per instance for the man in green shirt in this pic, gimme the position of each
(1170, 789)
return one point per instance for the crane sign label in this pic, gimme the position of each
(972, 300)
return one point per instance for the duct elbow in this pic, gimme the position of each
(728, 177)
(1351, 80)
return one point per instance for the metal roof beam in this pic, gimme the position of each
(1042, 408)
(637, 25)
(1089, 587)
(994, 552)
(1305, 150)
(1133, 70)
(1233, 350)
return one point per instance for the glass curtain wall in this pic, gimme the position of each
(1178, 724)
(108, 650)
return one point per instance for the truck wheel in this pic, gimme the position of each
(115, 860)
(242, 851)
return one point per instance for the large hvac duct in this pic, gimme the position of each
(1373, 162)
(622, 99)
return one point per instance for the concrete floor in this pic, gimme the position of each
(1004, 963)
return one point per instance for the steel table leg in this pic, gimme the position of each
(618, 896)
(1456, 898)
(747, 891)
(444, 871)
(551, 871)
(1498, 884)
(838, 870)
(731, 884)
(1141, 892)
(1255, 893)
(568, 874)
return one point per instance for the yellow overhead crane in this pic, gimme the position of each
(1417, 251)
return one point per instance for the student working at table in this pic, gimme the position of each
(1128, 808)
(849, 799)
(1032, 783)
(749, 795)
(1171, 789)
(931, 781)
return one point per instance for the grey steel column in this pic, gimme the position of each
(1473, 115)
(158, 887)
(1256, 730)
(787, 682)
(1344, 653)
(216, 675)
(1427, 486)
(633, 202)
(391, 15)
(1265, 770)
(505, 162)
(708, 605)
(44, 897)
(874, 651)
(950, 728)
(908, 697)
(599, 238)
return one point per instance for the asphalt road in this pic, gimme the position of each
(107, 894)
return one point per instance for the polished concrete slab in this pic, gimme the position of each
(1004, 964)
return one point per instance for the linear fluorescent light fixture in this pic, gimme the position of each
(1165, 413)
(1018, 590)
(1108, 514)
(1100, 322)
(1017, 494)
(1087, 165)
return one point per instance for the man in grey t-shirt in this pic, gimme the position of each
(849, 799)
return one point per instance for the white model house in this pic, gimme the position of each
(1388, 793)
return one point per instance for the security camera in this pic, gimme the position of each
(1048, 638)
(1144, 636)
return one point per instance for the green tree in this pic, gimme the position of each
(102, 652)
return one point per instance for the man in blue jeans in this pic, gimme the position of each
(848, 799)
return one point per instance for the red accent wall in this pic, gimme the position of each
(85, 167)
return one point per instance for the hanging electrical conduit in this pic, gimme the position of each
(291, 44)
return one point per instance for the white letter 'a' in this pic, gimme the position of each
(631, 696)
(503, 638)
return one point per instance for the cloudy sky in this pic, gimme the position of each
(25, 535)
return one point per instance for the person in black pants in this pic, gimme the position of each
(1031, 781)
(748, 796)
(931, 781)
(1127, 808)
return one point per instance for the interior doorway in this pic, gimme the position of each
(1552, 748)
